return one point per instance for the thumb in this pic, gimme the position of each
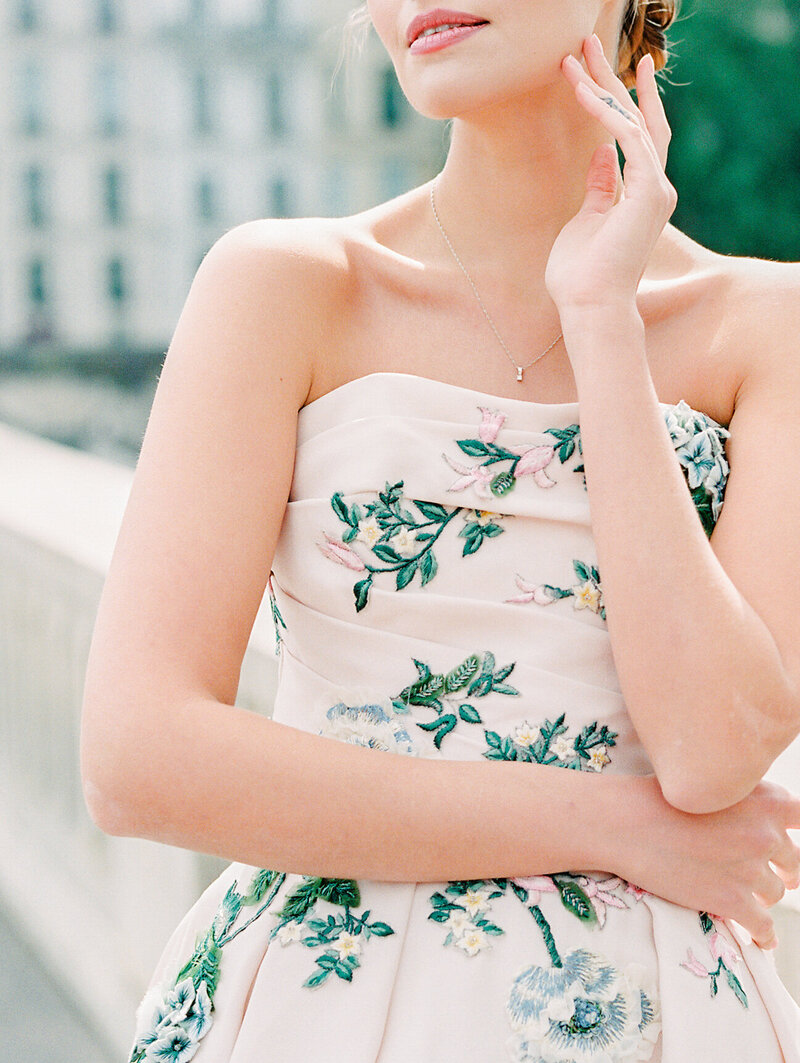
(601, 181)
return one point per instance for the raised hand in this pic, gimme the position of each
(600, 255)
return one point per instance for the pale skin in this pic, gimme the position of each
(283, 312)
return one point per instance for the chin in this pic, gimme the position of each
(450, 99)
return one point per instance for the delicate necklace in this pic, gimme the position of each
(519, 368)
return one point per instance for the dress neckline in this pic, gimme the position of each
(443, 386)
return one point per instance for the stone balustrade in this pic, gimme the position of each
(99, 908)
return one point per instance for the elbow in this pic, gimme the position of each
(105, 809)
(709, 783)
(700, 797)
(111, 790)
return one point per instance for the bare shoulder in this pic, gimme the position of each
(763, 308)
(735, 318)
(278, 287)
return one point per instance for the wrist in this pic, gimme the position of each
(637, 803)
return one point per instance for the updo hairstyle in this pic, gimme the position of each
(644, 29)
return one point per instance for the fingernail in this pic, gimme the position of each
(597, 42)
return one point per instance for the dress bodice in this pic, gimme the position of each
(436, 560)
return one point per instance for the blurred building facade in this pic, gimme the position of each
(135, 132)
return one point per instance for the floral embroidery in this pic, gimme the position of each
(446, 694)
(464, 907)
(340, 937)
(581, 1009)
(488, 477)
(587, 593)
(368, 725)
(698, 441)
(277, 619)
(580, 1005)
(174, 1018)
(401, 540)
(723, 955)
(549, 744)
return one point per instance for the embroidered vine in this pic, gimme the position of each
(338, 938)
(502, 466)
(447, 693)
(400, 541)
(723, 954)
(587, 593)
(549, 744)
(174, 1018)
(277, 619)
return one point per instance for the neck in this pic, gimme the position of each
(515, 175)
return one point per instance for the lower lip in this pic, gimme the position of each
(434, 42)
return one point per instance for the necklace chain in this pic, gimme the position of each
(519, 368)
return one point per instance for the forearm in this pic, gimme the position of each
(702, 677)
(219, 779)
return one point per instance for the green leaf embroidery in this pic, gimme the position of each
(435, 691)
(575, 900)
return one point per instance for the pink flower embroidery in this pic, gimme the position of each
(533, 462)
(722, 950)
(341, 553)
(491, 423)
(693, 965)
(600, 895)
(637, 891)
(536, 885)
(531, 593)
(479, 476)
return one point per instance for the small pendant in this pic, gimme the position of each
(519, 373)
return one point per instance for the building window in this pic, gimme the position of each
(116, 282)
(27, 15)
(113, 209)
(280, 206)
(107, 16)
(394, 106)
(276, 105)
(207, 200)
(201, 104)
(31, 97)
(38, 288)
(35, 198)
(109, 99)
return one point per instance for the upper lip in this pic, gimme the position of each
(439, 17)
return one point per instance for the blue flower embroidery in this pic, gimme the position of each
(582, 1011)
(368, 725)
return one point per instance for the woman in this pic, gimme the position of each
(336, 407)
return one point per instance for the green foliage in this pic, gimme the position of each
(731, 99)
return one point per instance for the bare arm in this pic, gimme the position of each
(704, 632)
(166, 754)
(705, 640)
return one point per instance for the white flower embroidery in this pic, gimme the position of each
(598, 758)
(587, 596)
(526, 734)
(291, 932)
(563, 748)
(475, 901)
(347, 945)
(472, 941)
(369, 532)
